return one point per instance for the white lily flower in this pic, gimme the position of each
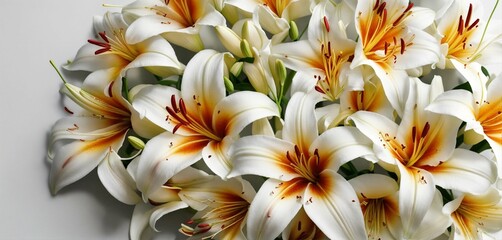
(378, 195)
(166, 199)
(326, 54)
(463, 37)
(93, 134)
(223, 208)
(422, 151)
(178, 21)
(481, 110)
(372, 99)
(392, 40)
(274, 15)
(475, 215)
(200, 121)
(112, 51)
(301, 168)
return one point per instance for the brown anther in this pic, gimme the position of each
(68, 110)
(468, 18)
(460, 29)
(173, 103)
(381, 8)
(326, 23)
(413, 133)
(474, 24)
(386, 47)
(403, 46)
(376, 5)
(426, 129)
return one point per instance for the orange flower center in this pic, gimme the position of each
(381, 34)
(457, 37)
(180, 117)
(491, 119)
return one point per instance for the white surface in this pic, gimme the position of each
(32, 33)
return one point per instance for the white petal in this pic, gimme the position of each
(164, 209)
(164, 156)
(334, 207)
(237, 111)
(263, 156)
(116, 179)
(465, 171)
(87, 60)
(151, 101)
(300, 125)
(372, 125)
(458, 103)
(203, 78)
(473, 74)
(144, 215)
(157, 63)
(149, 26)
(374, 186)
(416, 193)
(275, 204)
(339, 145)
(216, 156)
(76, 159)
(424, 50)
(435, 221)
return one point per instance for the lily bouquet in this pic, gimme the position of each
(377, 119)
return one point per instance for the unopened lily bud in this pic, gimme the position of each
(236, 69)
(246, 49)
(230, 40)
(136, 142)
(471, 137)
(293, 31)
(228, 84)
(281, 71)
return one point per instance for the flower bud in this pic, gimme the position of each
(136, 142)
(246, 49)
(230, 40)
(293, 31)
(228, 84)
(280, 71)
(236, 69)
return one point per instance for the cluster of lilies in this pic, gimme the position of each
(378, 119)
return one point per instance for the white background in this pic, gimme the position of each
(31, 33)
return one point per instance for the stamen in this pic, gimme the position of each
(403, 46)
(474, 24)
(426, 129)
(460, 29)
(326, 23)
(413, 133)
(173, 103)
(468, 18)
(376, 5)
(410, 5)
(381, 8)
